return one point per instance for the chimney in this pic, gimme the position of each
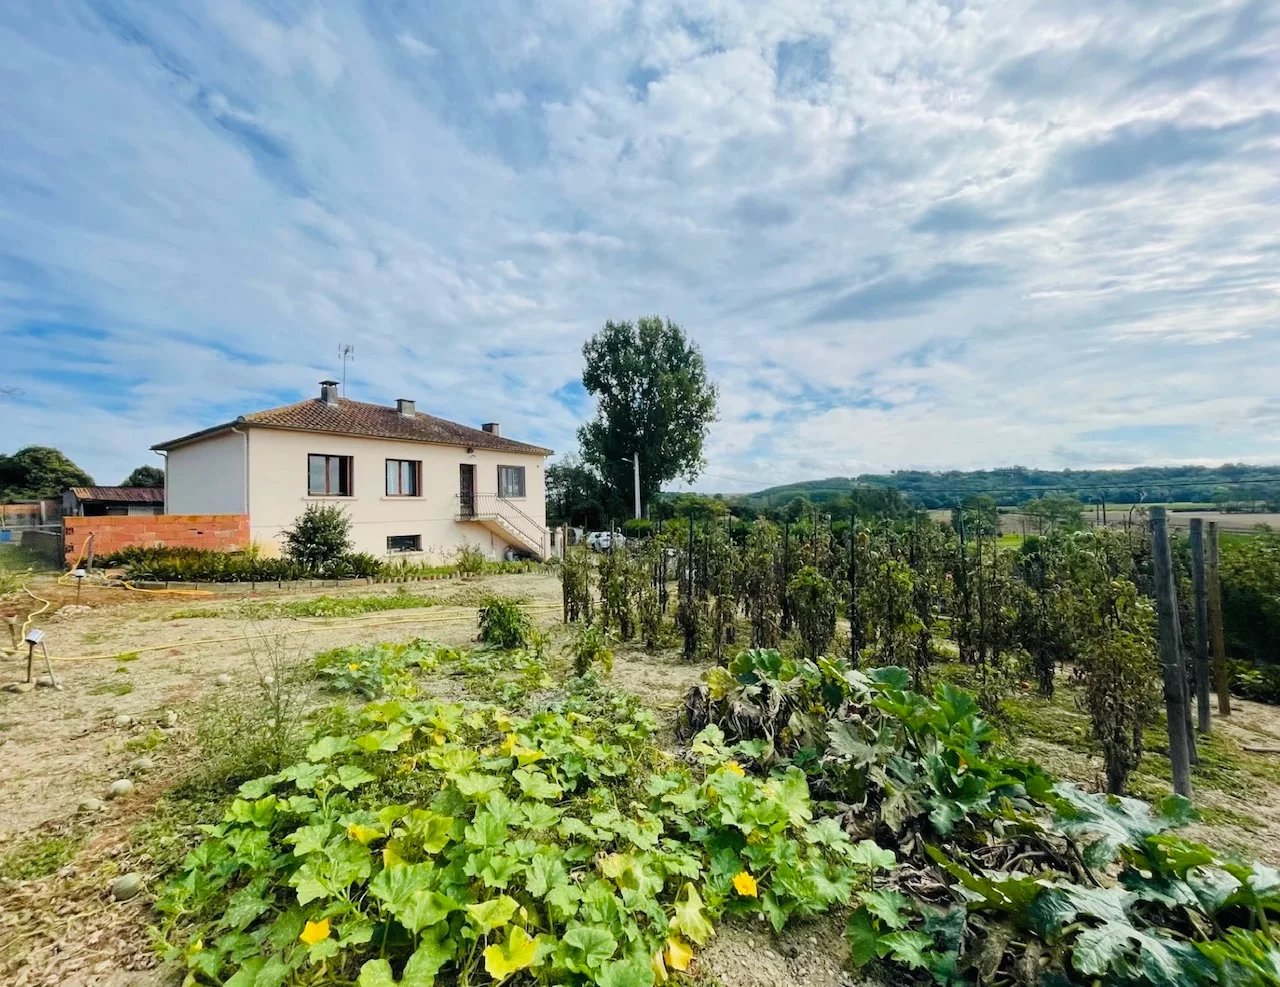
(493, 428)
(405, 407)
(329, 392)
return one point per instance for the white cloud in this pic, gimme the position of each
(416, 46)
(507, 101)
(929, 234)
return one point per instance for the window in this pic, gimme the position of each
(329, 476)
(404, 543)
(404, 477)
(510, 481)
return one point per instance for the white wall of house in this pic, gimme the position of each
(206, 477)
(278, 486)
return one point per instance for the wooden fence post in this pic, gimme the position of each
(1170, 659)
(1184, 670)
(853, 589)
(1201, 613)
(1221, 681)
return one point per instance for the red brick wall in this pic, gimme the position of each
(223, 532)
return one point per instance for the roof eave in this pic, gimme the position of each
(204, 433)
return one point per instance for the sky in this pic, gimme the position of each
(905, 233)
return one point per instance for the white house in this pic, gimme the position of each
(414, 485)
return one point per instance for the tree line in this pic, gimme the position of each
(1227, 484)
(40, 472)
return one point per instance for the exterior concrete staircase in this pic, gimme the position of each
(506, 520)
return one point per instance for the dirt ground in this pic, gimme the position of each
(131, 677)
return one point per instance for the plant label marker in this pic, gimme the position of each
(35, 637)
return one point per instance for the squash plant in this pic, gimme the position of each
(435, 840)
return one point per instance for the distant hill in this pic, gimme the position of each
(1233, 482)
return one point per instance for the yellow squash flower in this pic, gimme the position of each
(353, 666)
(679, 953)
(744, 884)
(733, 767)
(315, 932)
(362, 834)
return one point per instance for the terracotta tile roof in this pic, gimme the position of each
(361, 418)
(129, 495)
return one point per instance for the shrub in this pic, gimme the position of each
(637, 527)
(590, 647)
(1120, 670)
(320, 536)
(360, 565)
(469, 560)
(203, 565)
(1250, 571)
(1261, 683)
(503, 623)
(575, 584)
(813, 598)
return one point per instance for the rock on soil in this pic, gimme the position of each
(125, 887)
(119, 788)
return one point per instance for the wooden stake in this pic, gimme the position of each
(1221, 682)
(1201, 614)
(853, 590)
(1170, 660)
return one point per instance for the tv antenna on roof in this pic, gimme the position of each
(346, 351)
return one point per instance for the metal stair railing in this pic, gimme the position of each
(484, 507)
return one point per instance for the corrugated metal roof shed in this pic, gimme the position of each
(120, 495)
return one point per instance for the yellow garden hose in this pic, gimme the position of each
(62, 581)
(34, 613)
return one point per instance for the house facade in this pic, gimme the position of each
(415, 486)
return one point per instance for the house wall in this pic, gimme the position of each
(220, 532)
(278, 491)
(206, 477)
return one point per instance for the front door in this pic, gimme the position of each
(466, 490)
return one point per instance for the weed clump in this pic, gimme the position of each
(504, 623)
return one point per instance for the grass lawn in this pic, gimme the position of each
(15, 558)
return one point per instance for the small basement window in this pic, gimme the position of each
(404, 477)
(328, 476)
(404, 543)
(510, 481)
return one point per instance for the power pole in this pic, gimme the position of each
(1170, 658)
(635, 461)
(1200, 592)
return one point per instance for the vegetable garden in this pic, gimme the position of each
(506, 812)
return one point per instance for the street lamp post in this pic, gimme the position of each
(635, 459)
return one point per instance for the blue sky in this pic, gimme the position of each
(906, 235)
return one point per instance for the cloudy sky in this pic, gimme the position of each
(905, 233)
